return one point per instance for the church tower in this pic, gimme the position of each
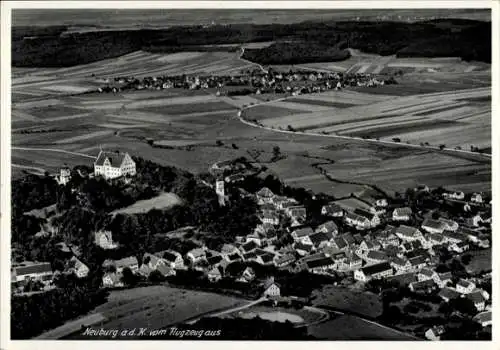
(219, 189)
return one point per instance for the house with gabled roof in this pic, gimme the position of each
(333, 210)
(464, 286)
(321, 266)
(172, 258)
(248, 275)
(435, 333)
(284, 260)
(453, 237)
(271, 288)
(400, 265)
(372, 217)
(297, 214)
(166, 270)
(375, 256)
(321, 239)
(340, 243)
(478, 299)
(433, 226)
(418, 262)
(426, 274)
(449, 225)
(104, 239)
(328, 227)
(111, 165)
(358, 221)
(264, 195)
(112, 279)
(196, 255)
(459, 247)
(402, 214)
(442, 279)
(77, 267)
(302, 235)
(388, 237)
(447, 294)
(483, 318)
(408, 233)
(214, 274)
(375, 271)
(425, 286)
(435, 239)
(303, 249)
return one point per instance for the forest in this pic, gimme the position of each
(295, 43)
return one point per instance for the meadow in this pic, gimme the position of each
(157, 307)
(161, 202)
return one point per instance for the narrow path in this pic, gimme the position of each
(53, 150)
(35, 169)
(230, 310)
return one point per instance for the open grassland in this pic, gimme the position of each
(347, 327)
(278, 314)
(348, 300)
(163, 201)
(157, 307)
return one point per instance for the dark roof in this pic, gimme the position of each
(476, 297)
(403, 211)
(306, 231)
(332, 208)
(248, 256)
(43, 267)
(340, 242)
(329, 226)
(376, 268)
(267, 257)
(418, 260)
(349, 239)
(423, 284)
(433, 224)
(301, 246)
(249, 246)
(445, 276)
(320, 262)
(448, 293)
(214, 259)
(376, 255)
(114, 158)
(319, 237)
(169, 256)
(399, 261)
(364, 213)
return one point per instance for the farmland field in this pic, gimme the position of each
(198, 119)
(353, 328)
(157, 306)
(160, 202)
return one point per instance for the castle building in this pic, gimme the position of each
(111, 165)
(219, 189)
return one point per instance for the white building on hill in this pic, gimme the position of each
(111, 165)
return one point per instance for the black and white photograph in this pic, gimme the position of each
(302, 174)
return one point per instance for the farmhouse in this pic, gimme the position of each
(454, 195)
(483, 318)
(302, 235)
(112, 280)
(264, 195)
(435, 332)
(372, 218)
(401, 265)
(271, 288)
(476, 198)
(360, 222)
(104, 239)
(173, 258)
(284, 260)
(376, 271)
(459, 247)
(77, 267)
(447, 294)
(214, 275)
(270, 218)
(332, 209)
(465, 287)
(422, 286)
(449, 225)
(321, 266)
(407, 233)
(442, 279)
(153, 261)
(40, 271)
(375, 256)
(64, 176)
(328, 227)
(401, 214)
(321, 239)
(196, 255)
(478, 299)
(433, 226)
(130, 262)
(113, 165)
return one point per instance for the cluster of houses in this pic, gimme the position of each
(251, 82)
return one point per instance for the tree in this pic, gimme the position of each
(466, 259)
(219, 143)
(276, 152)
(463, 305)
(156, 277)
(129, 278)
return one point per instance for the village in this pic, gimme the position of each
(361, 238)
(294, 82)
